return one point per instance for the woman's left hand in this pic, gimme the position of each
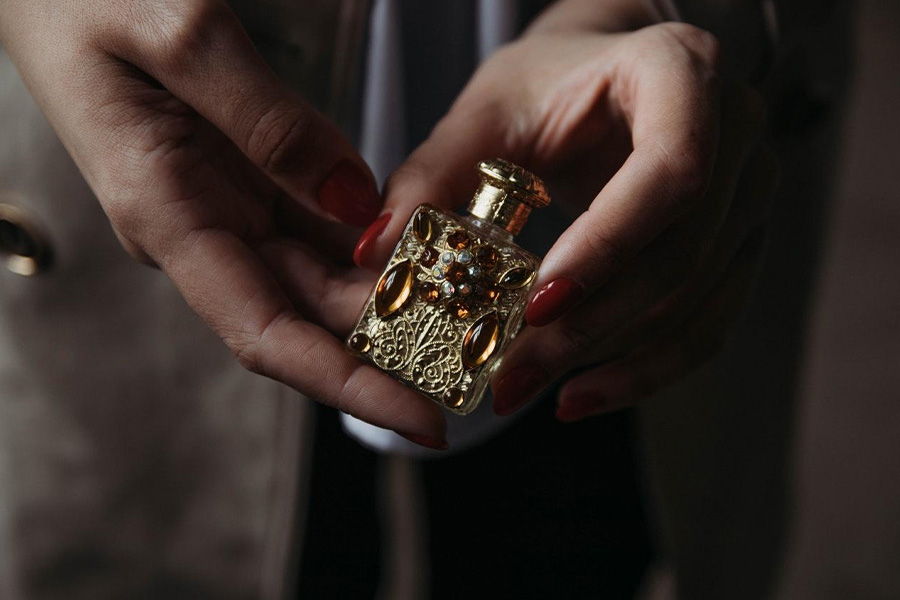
(657, 159)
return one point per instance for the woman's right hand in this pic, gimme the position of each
(209, 167)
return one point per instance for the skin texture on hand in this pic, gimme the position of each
(209, 167)
(657, 159)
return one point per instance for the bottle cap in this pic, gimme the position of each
(507, 194)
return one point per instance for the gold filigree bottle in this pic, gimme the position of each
(453, 294)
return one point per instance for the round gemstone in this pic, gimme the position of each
(428, 257)
(488, 293)
(447, 257)
(487, 257)
(458, 240)
(359, 343)
(456, 273)
(465, 257)
(437, 273)
(465, 289)
(447, 289)
(428, 292)
(474, 271)
(458, 308)
(453, 398)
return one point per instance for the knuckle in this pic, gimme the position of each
(605, 251)
(573, 342)
(247, 354)
(278, 138)
(687, 170)
(702, 44)
(191, 28)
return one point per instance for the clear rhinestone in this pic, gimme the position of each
(465, 257)
(447, 257)
(437, 273)
(447, 289)
(475, 271)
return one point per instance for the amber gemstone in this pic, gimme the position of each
(428, 292)
(458, 240)
(516, 277)
(487, 257)
(453, 398)
(394, 289)
(481, 341)
(488, 293)
(428, 257)
(423, 227)
(458, 309)
(456, 273)
(359, 343)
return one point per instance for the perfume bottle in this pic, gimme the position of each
(453, 294)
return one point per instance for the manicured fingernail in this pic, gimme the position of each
(350, 195)
(575, 408)
(518, 387)
(424, 440)
(367, 240)
(552, 301)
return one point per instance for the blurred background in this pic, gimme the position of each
(846, 540)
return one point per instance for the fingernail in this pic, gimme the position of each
(424, 440)
(575, 408)
(363, 250)
(552, 301)
(517, 387)
(350, 195)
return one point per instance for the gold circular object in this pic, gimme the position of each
(23, 246)
(507, 194)
(359, 343)
(453, 398)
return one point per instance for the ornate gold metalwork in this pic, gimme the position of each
(445, 336)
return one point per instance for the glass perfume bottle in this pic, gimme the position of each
(453, 294)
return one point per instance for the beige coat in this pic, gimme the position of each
(137, 459)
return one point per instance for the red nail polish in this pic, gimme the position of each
(368, 238)
(350, 195)
(518, 387)
(552, 301)
(575, 408)
(426, 441)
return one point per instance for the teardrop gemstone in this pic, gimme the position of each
(394, 289)
(481, 341)
(516, 277)
(423, 227)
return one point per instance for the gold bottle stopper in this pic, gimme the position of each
(507, 194)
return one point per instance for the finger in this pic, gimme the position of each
(672, 102)
(200, 52)
(588, 332)
(331, 297)
(623, 382)
(749, 211)
(229, 286)
(440, 172)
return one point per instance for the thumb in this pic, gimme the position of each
(440, 172)
(202, 55)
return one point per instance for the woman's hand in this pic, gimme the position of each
(656, 158)
(209, 167)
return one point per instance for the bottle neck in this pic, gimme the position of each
(490, 230)
(499, 206)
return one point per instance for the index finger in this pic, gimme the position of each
(672, 102)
